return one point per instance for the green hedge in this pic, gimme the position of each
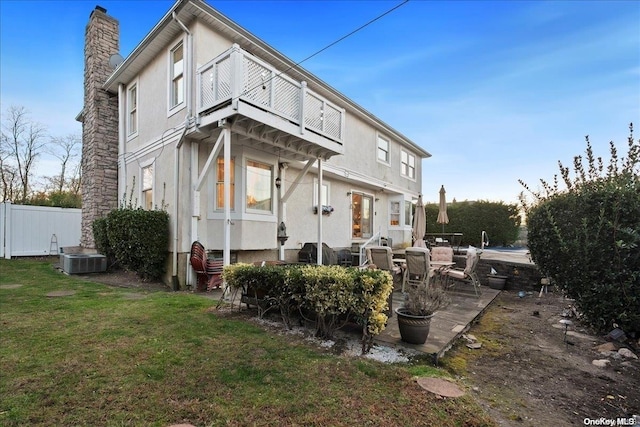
(136, 238)
(333, 294)
(587, 237)
(501, 221)
(101, 239)
(588, 241)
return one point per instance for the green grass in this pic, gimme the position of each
(100, 358)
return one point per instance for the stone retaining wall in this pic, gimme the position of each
(520, 276)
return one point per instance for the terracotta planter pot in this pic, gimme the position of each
(497, 281)
(413, 329)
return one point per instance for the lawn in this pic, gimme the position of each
(105, 357)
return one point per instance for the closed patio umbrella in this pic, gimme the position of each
(443, 218)
(419, 225)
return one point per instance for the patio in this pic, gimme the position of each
(447, 325)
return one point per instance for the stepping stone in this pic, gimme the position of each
(601, 363)
(440, 386)
(61, 293)
(10, 286)
(606, 347)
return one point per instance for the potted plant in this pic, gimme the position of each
(414, 317)
(496, 281)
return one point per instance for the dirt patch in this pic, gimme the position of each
(529, 373)
(126, 279)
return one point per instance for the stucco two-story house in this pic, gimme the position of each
(233, 139)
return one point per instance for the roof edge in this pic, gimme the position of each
(111, 83)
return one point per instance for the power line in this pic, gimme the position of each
(351, 33)
(332, 44)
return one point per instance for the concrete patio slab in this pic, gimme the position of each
(447, 325)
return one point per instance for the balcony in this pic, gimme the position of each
(237, 82)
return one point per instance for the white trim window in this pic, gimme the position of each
(407, 165)
(176, 70)
(146, 188)
(408, 210)
(383, 149)
(132, 111)
(324, 199)
(394, 214)
(259, 187)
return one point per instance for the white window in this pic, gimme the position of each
(408, 165)
(132, 110)
(220, 183)
(383, 149)
(394, 214)
(259, 186)
(324, 198)
(408, 209)
(147, 187)
(176, 93)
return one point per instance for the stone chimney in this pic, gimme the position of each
(99, 124)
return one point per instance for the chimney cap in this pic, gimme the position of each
(101, 9)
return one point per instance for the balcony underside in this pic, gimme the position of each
(270, 133)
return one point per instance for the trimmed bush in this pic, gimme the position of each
(101, 240)
(332, 294)
(137, 238)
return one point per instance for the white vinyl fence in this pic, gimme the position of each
(37, 230)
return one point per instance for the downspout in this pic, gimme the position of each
(176, 165)
(176, 182)
(122, 138)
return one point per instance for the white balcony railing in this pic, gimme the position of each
(236, 75)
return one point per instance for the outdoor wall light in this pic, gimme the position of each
(278, 182)
(348, 193)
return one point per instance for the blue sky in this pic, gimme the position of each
(495, 91)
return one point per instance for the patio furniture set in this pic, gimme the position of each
(420, 264)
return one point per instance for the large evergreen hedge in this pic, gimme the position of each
(587, 237)
(501, 221)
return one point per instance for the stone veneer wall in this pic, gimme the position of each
(100, 124)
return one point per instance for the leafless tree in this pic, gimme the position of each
(75, 182)
(67, 150)
(8, 175)
(22, 140)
